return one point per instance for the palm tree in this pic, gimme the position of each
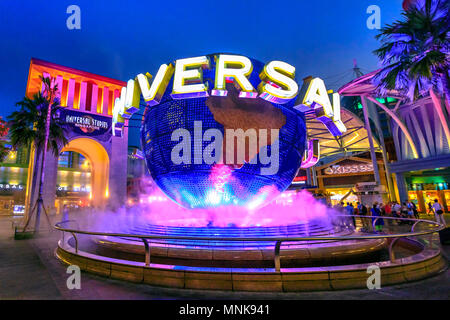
(28, 126)
(415, 55)
(4, 150)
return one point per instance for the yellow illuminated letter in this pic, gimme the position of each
(337, 113)
(125, 106)
(316, 96)
(190, 70)
(236, 68)
(278, 84)
(132, 99)
(153, 94)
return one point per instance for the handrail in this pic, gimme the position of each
(278, 240)
(268, 239)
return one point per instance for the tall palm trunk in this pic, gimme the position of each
(36, 168)
(40, 201)
(443, 119)
(32, 185)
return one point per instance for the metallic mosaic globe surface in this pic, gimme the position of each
(196, 185)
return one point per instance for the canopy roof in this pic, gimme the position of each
(354, 140)
(363, 86)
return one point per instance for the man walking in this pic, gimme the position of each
(439, 212)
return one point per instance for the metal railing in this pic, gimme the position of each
(278, 240)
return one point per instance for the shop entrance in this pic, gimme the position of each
(73, 183)
(83, 171)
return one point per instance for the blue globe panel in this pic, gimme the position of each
(210, 185)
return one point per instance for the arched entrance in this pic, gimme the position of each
(88, 100)
(99, 162)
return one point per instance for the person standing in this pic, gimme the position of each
(439, 213)
(410, 213)
(349, 208)
(388, 212)
(65, 213)
(430, 208)
(375, 211)
(416, 212)
(359, 206)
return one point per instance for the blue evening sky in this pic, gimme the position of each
(120, 39)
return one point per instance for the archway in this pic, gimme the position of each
(99, 160)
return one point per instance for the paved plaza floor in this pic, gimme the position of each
(29, 270)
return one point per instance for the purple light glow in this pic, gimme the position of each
(288, 208)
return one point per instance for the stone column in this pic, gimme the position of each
(441, 196)
(308, 177)
(49, 188)
(118, 170)
(401, 186)
(421, 201)
(51, 174)
(370, 138)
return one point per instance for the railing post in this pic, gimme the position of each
(76, 242)
(147, 252)
(391, 249)
(277, 256)
(374, 223)
(414, 225)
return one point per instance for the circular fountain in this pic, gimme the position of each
(322, 253)
(223, 219)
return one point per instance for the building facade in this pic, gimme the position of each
(92, 168)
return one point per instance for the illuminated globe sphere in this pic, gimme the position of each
(199, 184)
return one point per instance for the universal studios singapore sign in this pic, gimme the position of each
(277, 85)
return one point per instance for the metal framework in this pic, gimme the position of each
(354, 140)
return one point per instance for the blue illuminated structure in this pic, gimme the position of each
(191, 185)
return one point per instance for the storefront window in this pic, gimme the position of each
(337, 195)
(412, 196)
(429, 196)
(73, 160)
(447, 197)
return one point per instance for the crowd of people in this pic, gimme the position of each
(391, 209)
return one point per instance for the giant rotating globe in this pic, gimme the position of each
(202, 185)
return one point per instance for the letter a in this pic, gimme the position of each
(74, 281)
(73, 21)
(374, 21)
(374, 281)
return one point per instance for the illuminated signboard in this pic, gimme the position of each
(85, 123)
(345, 169)
(299, 180)
(11, 187)
(277, 85)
